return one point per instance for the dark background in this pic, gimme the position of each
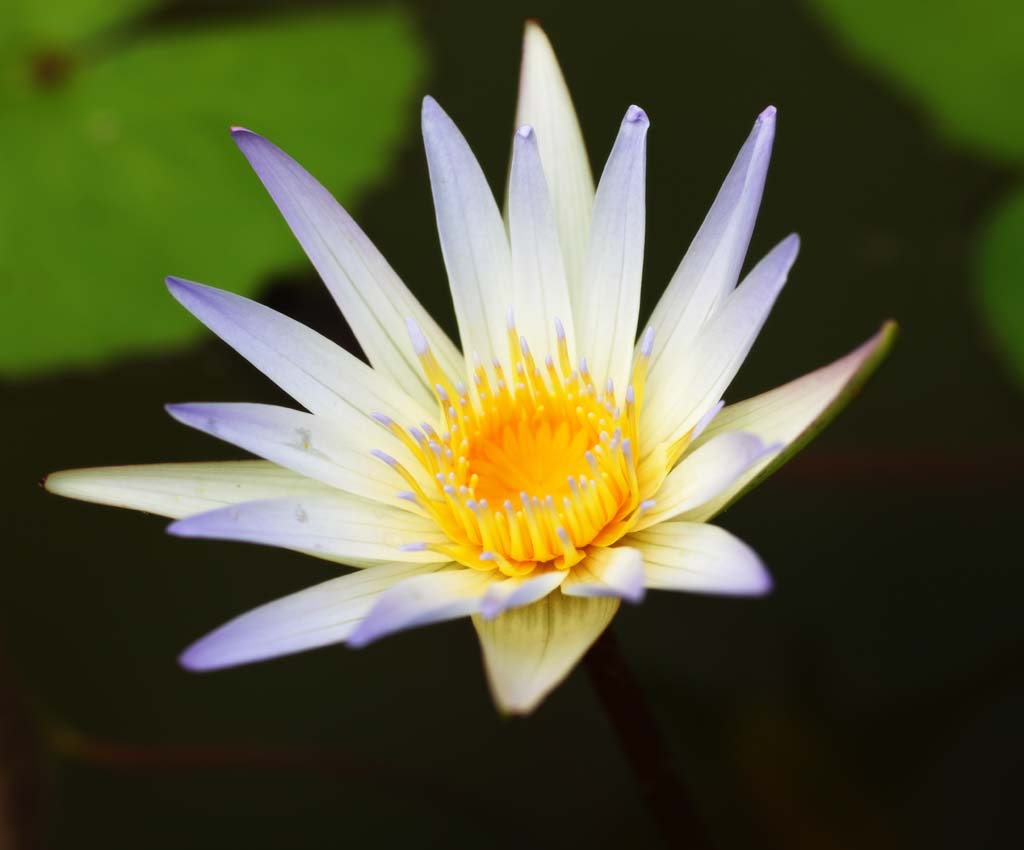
(873, 701)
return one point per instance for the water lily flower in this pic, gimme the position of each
(553, 468)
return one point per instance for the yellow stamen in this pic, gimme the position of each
(534, 464)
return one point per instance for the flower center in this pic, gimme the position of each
(532, 466)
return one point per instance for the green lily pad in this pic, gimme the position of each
(1000, 272)
(121, 169)
(29, 26)
(963, 62)
(961, 59)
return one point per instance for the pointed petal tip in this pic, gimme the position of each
(636, 115)
(195, 658)
(246, 139)
(430, 107)
(416, 336)
(184, 412)
(768, 115)
(61, 483)
(534, 32)
(635, 597)
(184, 528)
(365, 633)
(179, 287)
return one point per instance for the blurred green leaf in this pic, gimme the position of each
(29, 26)
(121, 170)
(962, 59)
(1000, 273)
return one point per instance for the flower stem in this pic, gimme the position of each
(635, 726)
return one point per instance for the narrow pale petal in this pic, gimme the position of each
(322, 376)
(513, 592)
(699, 381)
(178, 489)
(705, 473)
(444, 595)
(373, 298)
(540, 293)
(473, 239)
(545, 104)
(338, 526)
(317, 616)
(614, 571)
(711, 266)
(792, 415)
(306, 444)
(607, 308)
(529, 650)
(699, 558)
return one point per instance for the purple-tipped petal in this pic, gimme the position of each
(699, 558)
(712, 264)
(514, 592)
(317, 616)
(545, 105)
(705, 473)
(540, 292)
(307, 444)
(369, 293)
(444, 595)
(473, 241)
(616, 571)
(606, 311)
(793, 414)
(339, 527)
(701, 379)
(321, 376)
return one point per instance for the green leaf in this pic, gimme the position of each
(999, 269)
(62, 23)
(961, 59)
(124, 171)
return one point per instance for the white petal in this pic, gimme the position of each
(473, 240)
(513, 592)
(338, 526)
(179, 489)
(323, 377)
(699, 381)
(540, 294)
(444, 595)
(699, 558)
(792, 415)
(606, 309)
(544, 104)
(309, 445)
(613, 571)
(373, 298)
(705, 473)
(711, 266)
(317, 616)
(529, 650)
